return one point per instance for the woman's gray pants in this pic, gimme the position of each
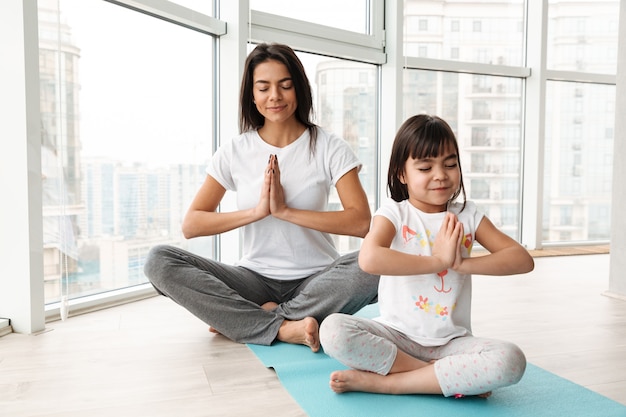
(229, 298)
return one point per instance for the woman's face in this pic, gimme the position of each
(273, 91)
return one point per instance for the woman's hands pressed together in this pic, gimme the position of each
(276, 193)
(272, 198)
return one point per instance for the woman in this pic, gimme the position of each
(282, 166)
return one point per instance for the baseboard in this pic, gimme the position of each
(5, 327)
(559, 251)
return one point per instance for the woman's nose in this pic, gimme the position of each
(275, 93)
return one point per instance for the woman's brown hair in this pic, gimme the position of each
(249, 116)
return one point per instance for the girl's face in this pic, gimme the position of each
(274, 92)
(431, 182)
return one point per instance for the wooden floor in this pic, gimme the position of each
(152, 358)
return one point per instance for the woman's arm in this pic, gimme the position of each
(506, 256)
(376, 256)
(353, 220)
(202, 218)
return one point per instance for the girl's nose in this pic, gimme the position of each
(440, 173)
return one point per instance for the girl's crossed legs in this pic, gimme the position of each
(386, 361)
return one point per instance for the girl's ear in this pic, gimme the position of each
(401, 178)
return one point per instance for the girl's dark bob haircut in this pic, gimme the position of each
(249, 116)
(420, 136)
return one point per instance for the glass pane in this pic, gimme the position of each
(126, 133)
(350, 15)
(485, 113)
(583, 40)
(483, 32)
(578, 162)
(344, 100)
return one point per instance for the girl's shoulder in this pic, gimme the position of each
(469, 211)
(459, 207)
(391, 209)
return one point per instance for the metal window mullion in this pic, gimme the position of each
(465, 67)
(580, 77)
(533, 146)
(319, 39)
(176, 14)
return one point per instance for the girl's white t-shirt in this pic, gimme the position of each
(431, 309)
(271, 247)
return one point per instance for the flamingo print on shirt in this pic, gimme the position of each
(410, 235)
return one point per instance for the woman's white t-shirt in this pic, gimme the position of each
(275, 248)
(431, 309)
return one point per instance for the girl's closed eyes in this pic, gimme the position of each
(425, 165)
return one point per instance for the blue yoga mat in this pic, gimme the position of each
(540, 393)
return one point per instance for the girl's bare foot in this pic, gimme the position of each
(301, 332)
(353, 380)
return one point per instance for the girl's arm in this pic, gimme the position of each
(376, 256)
(353, 220)
(506, 256)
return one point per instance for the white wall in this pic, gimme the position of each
(21, 229)
(617, 270)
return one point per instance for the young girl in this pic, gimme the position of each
(420, 243)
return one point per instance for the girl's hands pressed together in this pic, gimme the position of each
(447, 246)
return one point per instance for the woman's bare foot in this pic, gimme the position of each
(269, 306)
(301, 332)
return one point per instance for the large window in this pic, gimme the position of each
(582, 36)
(580, 114)
(345, 97)
(578, 162)
(127, 112)
(126, 133)
(479, 31)
(485, 113)
(462, 60)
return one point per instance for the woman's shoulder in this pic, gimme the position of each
(333, 144)
(327, 137)
(242, 142)
(247, 136)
